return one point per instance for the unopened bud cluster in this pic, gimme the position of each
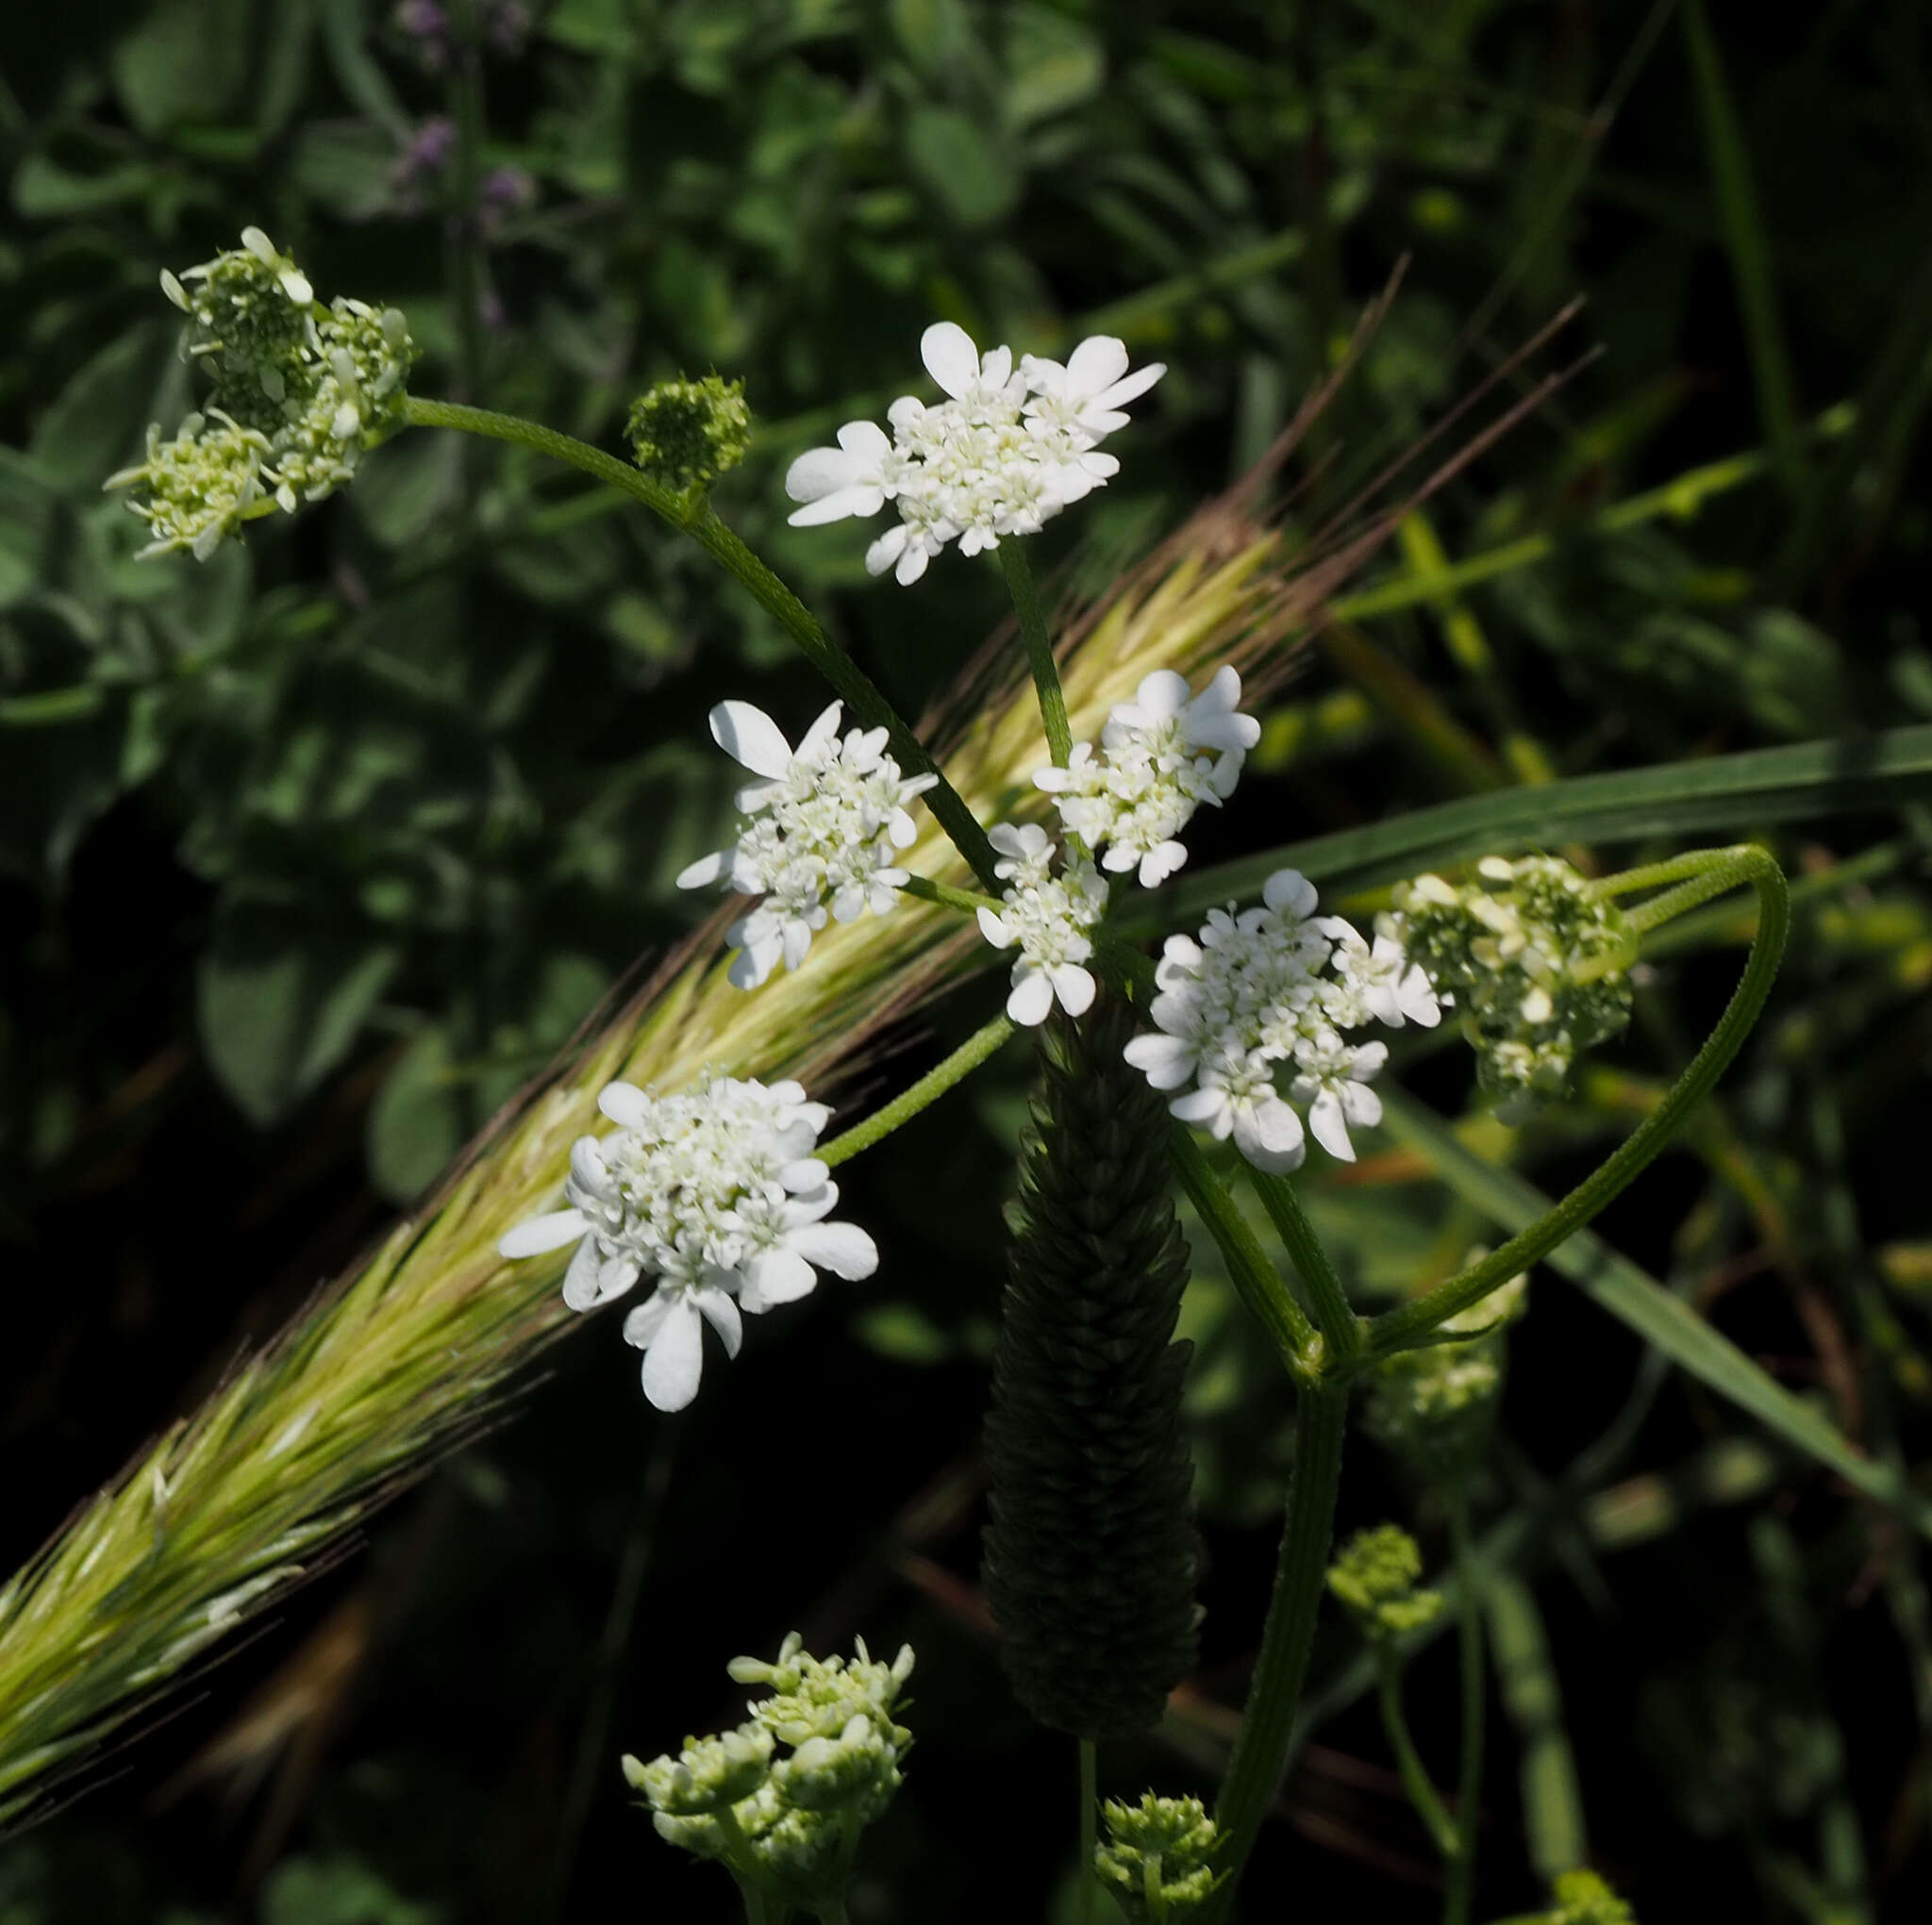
(301, 390)
(1434, 1407)
(786, 1823)
(686, 434)
(1374, 1577)
(1158, 1857)
(1533, 958)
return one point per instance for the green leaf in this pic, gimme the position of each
(1056, 64)
(1641, 1303)
(1727, 793)
(282, 998)
(186, 59)
(99, 422)
(417, 1122)
(28, 507)
(1553, 1827)
(952, 156)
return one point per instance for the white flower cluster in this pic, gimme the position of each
(1046, 916)
(1275, 988)
(826, 822)
(301, 391)
(1161, 757)
(1002, 454)
(716, 1196)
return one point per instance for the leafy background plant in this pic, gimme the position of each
(309, 857)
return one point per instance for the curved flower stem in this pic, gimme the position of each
(1270, 1301)
(1469, 1790)
(1261, 1752)
(1039, 646)
(1415, 1776)
(1090, 1828)
(848, 680)
(1415, 1321)
(1340, 1328)
(917, 1095)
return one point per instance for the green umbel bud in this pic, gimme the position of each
(1533, 958)
(1158, 1857)
(1435, 1407)
(686, 434)
(301, 393)
(788, 1826)
(707, 1774)
(1091, 1553)
(1374, 1577)
(201, 486)
(1583, 1898)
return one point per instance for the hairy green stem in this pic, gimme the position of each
(1260, 1751)
(1255, 1280)
(850, 682)
(1413, 1323)
(1039, 646)
(1089, 1827)
(1340, 1328)
(917, 1095)
(1415, 1777)
(965, 901)
(1469, 1789)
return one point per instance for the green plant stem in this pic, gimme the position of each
(965, 901)
(1255, 1280)
(1340, 1328)
(1039, 646)
(1089, 1826)
(1260, 1751)
(1415, 1777)
(1469, 1789)
(848, 680)
(916, 1097)
(1412, 1322)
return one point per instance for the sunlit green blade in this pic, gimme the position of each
(1717, 793)
(1645, 1306)
(1553, 1828)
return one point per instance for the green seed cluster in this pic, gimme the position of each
(1374, 1578)
(300, 392)
(686, 434)
(1091, 1553)
(1533, 959)
(1158, 1857)
(788, 1825)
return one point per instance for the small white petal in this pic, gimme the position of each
(1074, 987)
(950, 357)
(1268, 1135)
(640, 1327)
(844, 1249)
(1166, 1061)
(776, 1276)
(706, 869)
(536, 1234)
(580, 1280)
(993, 928)
(1329, 1127)
(1096, 364)
(676, 1357)
(1289, 889)
(1031, 1000)
(624, 1104)
(750, 737)
(717, 1308)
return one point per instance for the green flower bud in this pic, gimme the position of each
(201, 486)
(686, 434)
(1374, 1577)
(857, 1771)
(1533, 958)
(708, 1775)
(1583, 1898)
(251, 317)
(1157, 1858)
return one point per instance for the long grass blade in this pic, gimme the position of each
(1642, 1304)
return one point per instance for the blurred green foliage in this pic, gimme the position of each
(309, 857)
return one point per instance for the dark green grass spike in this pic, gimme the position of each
(1091, 1553)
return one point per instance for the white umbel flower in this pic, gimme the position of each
(1163, 755)
(1002, 454)
(1265, 993)
(1046, 918)
(716, 1197)
(826, 822)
